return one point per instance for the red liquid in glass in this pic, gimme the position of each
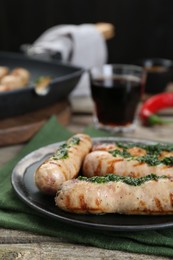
(116, 99)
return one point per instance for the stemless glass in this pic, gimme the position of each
(116, 90)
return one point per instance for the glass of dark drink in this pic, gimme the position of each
(116, 90)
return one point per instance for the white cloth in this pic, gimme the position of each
(80, 45)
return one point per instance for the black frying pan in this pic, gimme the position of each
(64, 79)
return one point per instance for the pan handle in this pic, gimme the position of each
(43, 56)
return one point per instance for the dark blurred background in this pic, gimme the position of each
(144, 28)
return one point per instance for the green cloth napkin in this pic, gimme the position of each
(15, 214)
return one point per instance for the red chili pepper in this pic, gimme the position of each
(153, 105)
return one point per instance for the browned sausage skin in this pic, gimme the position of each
(134, 161)
(152, 195)
(65, 164)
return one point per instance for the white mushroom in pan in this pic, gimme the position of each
(5, 88)
(23, 74)
(12, 82)
(3, 71)
(18, 78)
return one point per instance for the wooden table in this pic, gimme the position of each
(16, 244)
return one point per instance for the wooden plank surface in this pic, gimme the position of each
(26, 246)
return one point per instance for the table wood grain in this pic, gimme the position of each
(16, 244)
(26, 246)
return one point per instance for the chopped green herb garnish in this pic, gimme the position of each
(126, 179)
(168, 161)
(158, 148)
(127, 145)
(63, 146)
(152, 153)
(150, 148)
(151, 160)
(74, 140)
(62, 151)
(123, 153)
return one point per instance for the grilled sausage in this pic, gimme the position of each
(152, 196)
(103, 147)
(64, 164)
(134, 151)
(99, 163)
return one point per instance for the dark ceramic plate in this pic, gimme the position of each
(23, 184)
